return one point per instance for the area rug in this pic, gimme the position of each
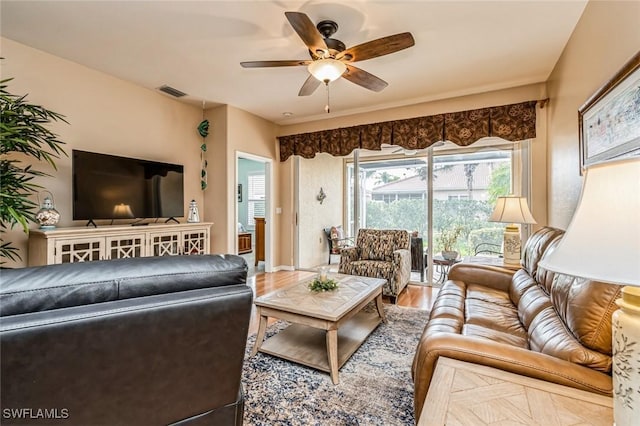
(375, 383)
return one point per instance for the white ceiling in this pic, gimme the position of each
(462, 47)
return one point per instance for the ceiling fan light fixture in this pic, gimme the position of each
(327, 70)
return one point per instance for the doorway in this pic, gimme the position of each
(253, 221)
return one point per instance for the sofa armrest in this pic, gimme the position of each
(485, 275)
(150, 360)
(402, 256)
(348, 255)
(504, 357)
(402, 264)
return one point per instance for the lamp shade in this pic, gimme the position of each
(602, 241)
(512, 209)
(122, 211)
(327, 70)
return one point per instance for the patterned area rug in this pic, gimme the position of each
(375, 383)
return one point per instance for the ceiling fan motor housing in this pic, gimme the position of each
(327, 28)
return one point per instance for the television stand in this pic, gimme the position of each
(91, 222)
(83, 244)
(171, 219)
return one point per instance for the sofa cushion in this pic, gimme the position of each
(495, 317)
(71, 284)
(377, 246)
(544, 277)
(549, 335)
(535, 248)
(447, 313)
(586, 307)
(370, 268)
(492, 310)
(521, 281)
(533, 301)
(506, 338)
(489, 295)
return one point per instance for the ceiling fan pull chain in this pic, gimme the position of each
(327, 108)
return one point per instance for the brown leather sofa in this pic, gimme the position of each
(530, 322)
(146, 341)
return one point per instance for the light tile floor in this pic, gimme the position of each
(251, 260)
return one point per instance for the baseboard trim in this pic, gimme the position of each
(283, 268)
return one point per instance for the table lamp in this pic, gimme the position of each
(602, 243)
(512, 210)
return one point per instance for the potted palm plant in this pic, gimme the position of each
(25, 140)
(447, 241)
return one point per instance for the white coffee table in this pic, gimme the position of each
(326, 327)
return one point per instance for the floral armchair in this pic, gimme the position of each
(380, 253)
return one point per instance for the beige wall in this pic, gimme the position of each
(217, 190)
(251, 134)
(106, 115)
(113, 116)
(607, 35)
(237, 131)
(326, 172)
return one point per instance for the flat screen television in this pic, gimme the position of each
(111, 187)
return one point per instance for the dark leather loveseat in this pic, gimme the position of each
(144, 341)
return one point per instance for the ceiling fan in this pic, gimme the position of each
(330, 59)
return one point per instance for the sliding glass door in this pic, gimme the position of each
(390, 190)
(392, 194)
(465, 188)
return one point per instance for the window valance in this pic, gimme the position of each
(512, 122)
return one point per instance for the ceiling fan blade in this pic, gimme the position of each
(307, 32)
(262, 64)
(379, 47)
(364, 79)
(309, 86)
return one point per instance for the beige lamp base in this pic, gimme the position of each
(511, 245)
(626, 358)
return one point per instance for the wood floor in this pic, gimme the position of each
(415, 296)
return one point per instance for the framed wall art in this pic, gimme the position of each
(610, 120)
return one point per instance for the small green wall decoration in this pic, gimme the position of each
(203, 129)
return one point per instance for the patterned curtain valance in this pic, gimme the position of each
(513, 122)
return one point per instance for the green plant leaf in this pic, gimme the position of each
(24, 132)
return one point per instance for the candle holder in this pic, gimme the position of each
(323, 273)
(322, 282)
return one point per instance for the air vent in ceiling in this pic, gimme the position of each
(171, 91)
